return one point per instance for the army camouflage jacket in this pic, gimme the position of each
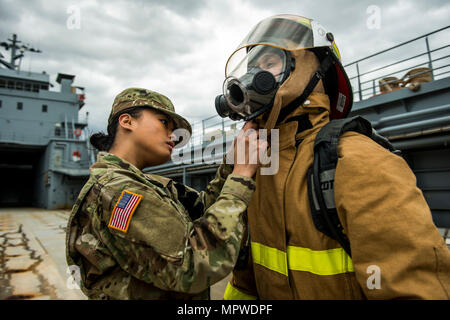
(173, 243)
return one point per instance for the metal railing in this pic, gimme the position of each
(71, 164)
(210, 129)
(22, 137)
(435, 56)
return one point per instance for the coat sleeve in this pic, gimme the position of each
(164, 247)
(396, 249)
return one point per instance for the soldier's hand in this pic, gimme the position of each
(247, 149)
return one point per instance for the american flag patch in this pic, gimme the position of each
(124, 209)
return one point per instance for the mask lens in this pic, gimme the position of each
(271, 60)
(266, 58)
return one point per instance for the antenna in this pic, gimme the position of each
(13, 44)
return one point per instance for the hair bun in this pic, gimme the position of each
(101, 141)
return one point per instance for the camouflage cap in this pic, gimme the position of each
(138, 97)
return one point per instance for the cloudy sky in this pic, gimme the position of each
(179, 47)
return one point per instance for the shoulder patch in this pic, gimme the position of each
(123, 210)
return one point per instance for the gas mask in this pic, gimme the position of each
(253, 76)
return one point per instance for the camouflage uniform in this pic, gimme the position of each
(177, 244)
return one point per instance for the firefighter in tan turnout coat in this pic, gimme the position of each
(396, 250)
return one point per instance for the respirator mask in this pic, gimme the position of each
(253, 76)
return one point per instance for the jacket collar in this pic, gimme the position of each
(315, 110)
(112, 160)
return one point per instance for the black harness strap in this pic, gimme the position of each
(318, 75)
(321, 174)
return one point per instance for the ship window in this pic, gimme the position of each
(57, 129)
(10, 84)
(2, 83)
(44, 87)
(35, 88)
(44, 108)
(19, 105)
(27, 86)
(0, 103)
(19, 85)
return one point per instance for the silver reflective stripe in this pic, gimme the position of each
(327, 187)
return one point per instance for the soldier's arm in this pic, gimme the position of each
(209, 196)
(397, 251)
(163, 247)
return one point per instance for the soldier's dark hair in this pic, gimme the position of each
(104, 142)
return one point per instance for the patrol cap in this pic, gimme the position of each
(132, 98)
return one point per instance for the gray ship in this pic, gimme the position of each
(44, 152)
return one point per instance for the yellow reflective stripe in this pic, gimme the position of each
(336, 50)
(231, 293)
(268, 257)
(305, 21)
(321, 262)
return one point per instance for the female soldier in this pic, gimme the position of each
(140, 236)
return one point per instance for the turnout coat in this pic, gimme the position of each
(397, 252)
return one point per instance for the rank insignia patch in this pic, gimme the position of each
(123, 210)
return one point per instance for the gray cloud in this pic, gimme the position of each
(180, 47)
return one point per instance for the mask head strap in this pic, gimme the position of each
(318, 75)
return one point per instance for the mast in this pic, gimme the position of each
(13, 44)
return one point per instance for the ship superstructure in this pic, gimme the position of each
(44, 153)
